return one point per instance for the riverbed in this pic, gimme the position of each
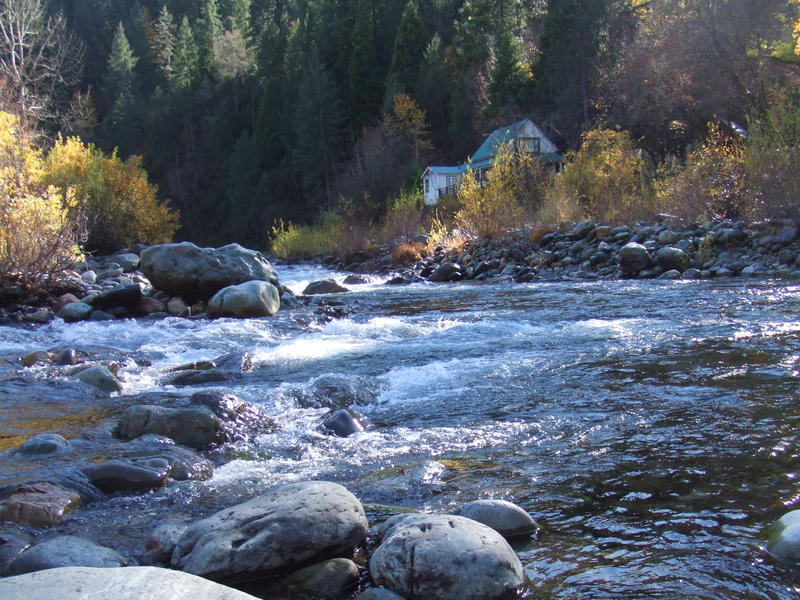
(650, 427)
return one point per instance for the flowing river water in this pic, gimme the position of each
(651, 427)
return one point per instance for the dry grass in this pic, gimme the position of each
(407, 253)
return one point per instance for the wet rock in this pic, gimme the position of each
(445, 557)
(379, 594)
(75, 311)
(127, 261)
(356, 280)
(324, 286)
(397, 483)
(37, 356)
(127, 296)
(240, 419)
(114, 476)
(445, 272)
(65, 358)
(66, 551)
(337, 391)
(633, 258)
(101, 378)
(251, 299)
(506, 518)
(162, 540)
(287, 527)
(669, 259)
(691, 274)
(192, 378)
(11, 546)
(149, 306)
(39, 505)
(177, 307)
(183, 464)
(342, 423)
(670, 275)
(235, 362)
(40, 316)
(195, 273)
(784, 537)
(322, 580)
(194, 427)
(121, 583)
(44, 444)
(200, 365)
(582, 229)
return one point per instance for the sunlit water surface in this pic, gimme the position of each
(650, 427)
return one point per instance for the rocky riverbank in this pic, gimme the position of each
(593, 251)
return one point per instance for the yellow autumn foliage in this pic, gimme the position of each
(119, 202)
(38, 236)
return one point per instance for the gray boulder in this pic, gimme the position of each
(75, 311)
(324, 286)
(101, 378)
(633, 258)
(444, 557)
(321, 580)
(122, 475)
(445, 272)
(162, 540)
(128, 261)
(784, 537)
(194, 427)
(126, 583)
(506, 518)
(195, 273)
(44, 444)
(125, 295)
(65, 551)
(669, 259)
(251, 299)
(288, 527)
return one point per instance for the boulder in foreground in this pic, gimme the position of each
(251, 299)
(195, 273)
(120, 583)
(285, 529)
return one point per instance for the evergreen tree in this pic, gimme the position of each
(433, 90)
(365, 84)
(507, 77)
(209, 28)
(164, 41)
(317, 132)
(185, 58)
(120, 91)
(236, 15)
(409, 46)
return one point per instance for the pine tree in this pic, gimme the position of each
(507, 77)
(164, 41)
(365, 85)
(317, 131)
(433, 90)
(236, 15)
(185, 58)
(120, 74)
(208, 29)
(409, 46)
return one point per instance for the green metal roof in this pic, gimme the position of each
(500, 136)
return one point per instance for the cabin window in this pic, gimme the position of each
(427, 185)
(532, 145)
(451, 180)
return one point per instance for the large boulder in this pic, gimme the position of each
(247, 300)
(195, 273)
(120, 583)
(633, 258)
(194, 427)
(669, 259)
(287, 528)
(445, 557)
(784, 537)
(65, 551)
(126, 295)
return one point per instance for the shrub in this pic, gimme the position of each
(115, 195)
(38, 239)
(710, 186)
(332, 234)
(404, 218)
(605, 179)
(407, 253)
(512, 191)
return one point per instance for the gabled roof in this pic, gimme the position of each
(448, 170)
(500, 136)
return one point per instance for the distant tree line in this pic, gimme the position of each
(247, 112)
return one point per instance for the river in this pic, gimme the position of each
(650, 427)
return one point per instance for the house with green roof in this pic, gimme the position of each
(525, 136)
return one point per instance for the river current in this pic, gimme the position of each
(650, 427)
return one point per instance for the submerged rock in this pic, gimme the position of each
(44, 444)
(251, 299)
(120, 583)
(321, 580)
(195, 273)
(324, 286)
(287, 527)
(38, 504)
(194, 427)
(342, 423)
(66, 551)
(506, 518)
(101, 378)
(445, 557)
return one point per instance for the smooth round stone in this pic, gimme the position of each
(35, 357)
(44, 443)
(75, 311)
(101, 378)
(65, 551)
(125, 583)
(506, 518)
(324, 286)
(784, 538)
(324, 579)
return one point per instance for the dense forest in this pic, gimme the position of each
(246, 112)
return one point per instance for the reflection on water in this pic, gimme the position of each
(650, 427)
